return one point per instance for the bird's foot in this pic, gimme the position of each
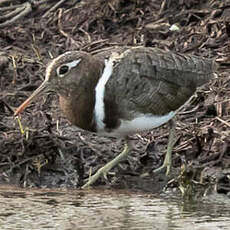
(168, 158)
(104, 170)
(161, 168)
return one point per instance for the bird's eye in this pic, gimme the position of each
(62, 70)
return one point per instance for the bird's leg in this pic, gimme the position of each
(105, 169)
(168, 158)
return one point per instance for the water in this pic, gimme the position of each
(100, 209)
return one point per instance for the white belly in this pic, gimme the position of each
(142, 122)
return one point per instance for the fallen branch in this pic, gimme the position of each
(53, 8)
(24, 10)
(222, 121)
(63, 32)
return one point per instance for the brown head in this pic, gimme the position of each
(70, 75)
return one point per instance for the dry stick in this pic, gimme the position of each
(35, 48)
(98, 42)
(7, 106)
(7, 8)
(6, 1)
(36, 51)
(15, 69)
(26, 11)
(96, 50)
(189, 111)
(12, 14)
(23, 162)
(224, 122)
(53, 8)
(89, 145)
(87, 34)
(41, 2)
(63, 32)
(212, 163)
(163, 4)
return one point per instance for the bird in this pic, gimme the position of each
(124, 91)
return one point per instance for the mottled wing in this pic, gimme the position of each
(148, 80)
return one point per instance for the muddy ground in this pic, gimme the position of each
(52, 153)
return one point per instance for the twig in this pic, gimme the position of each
(163, 4)
(63, 32)
(39, 3)
(53, 8)
(188, 112)
(23, 162)
(15, 69)
(87, 34)
(7, 106)
(224, 122)
(12, 14)
(7, 8)
(94, 43)
(88, 144)
(213, 162)
(6, 1)
(27, 9)
(35, 49)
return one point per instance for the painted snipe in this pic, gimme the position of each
(129, 91)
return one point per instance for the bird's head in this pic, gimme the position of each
(65, 74)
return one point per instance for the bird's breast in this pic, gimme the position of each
(78, 113)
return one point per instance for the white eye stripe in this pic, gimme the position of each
(69, 65)
(73, 63)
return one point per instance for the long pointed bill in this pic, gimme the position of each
(38, 91)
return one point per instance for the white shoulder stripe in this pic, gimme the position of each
(99, 109)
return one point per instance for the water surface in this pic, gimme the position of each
(100, 209)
